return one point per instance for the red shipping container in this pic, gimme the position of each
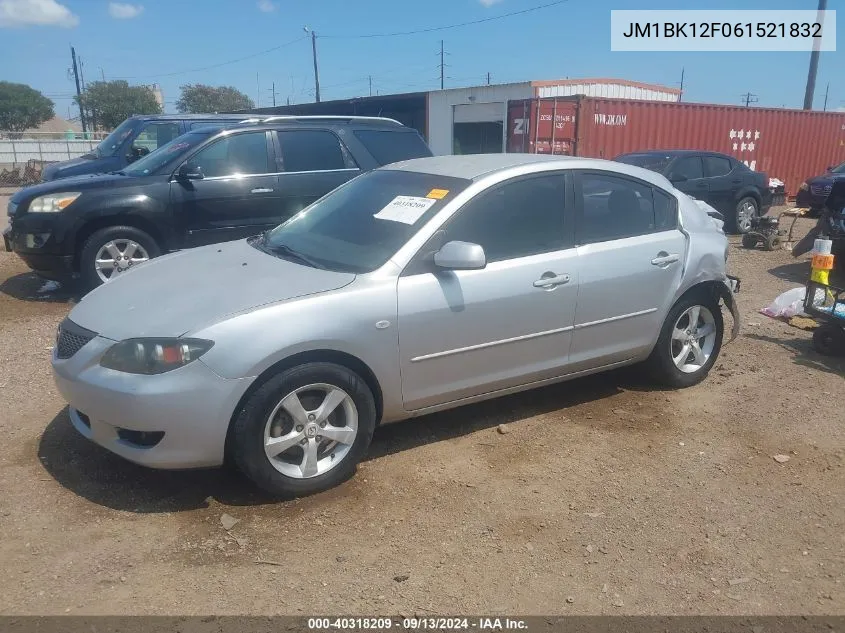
(791, 145)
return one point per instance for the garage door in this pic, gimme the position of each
(480, 113)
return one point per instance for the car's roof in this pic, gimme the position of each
(476, 166)
(179, 117)
(673, 152)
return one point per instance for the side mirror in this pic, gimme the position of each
(677, 178)
(136, 152)
(460, 256)
(190, 172)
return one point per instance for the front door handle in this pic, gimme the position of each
(262, 190)
(550, 280)
(663, 259)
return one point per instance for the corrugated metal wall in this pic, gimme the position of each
(606, 90)
(788, 144)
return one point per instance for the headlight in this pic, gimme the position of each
(54, 202)
(804, 186)
(153, 355)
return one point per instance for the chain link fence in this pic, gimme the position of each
(23, 156)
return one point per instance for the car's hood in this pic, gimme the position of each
(825, 178)
(73, 166)
(74, 183)
(172, 295)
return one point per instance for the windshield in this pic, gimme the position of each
(112, 143)
(361, 225)
(839, 170)
(168, 153)
(653, 162)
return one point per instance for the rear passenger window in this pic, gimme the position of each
(391, 147)
(312, 150)
(516, 219)
(689, 168)
(665, 211)
(614, 208)
(716, 166)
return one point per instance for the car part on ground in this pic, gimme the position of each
(414, 288)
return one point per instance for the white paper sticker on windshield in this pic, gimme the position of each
(405, 209)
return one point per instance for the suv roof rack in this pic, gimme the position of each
(319, 117)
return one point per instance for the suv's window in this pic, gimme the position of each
(516, 219)
(614, 208)
(390, 147)
(311, 150)
(690, 166)
(234, 154)
(717, 166)
(154, 135)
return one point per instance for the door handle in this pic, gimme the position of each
(262, 190)
(551, 281)
(663, 259)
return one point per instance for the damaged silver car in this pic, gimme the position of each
(420, 286)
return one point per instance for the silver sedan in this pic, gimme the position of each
(418, 287)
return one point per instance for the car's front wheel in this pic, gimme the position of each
(112, 250)
(689, 342)
(304, 430)
(746, 210)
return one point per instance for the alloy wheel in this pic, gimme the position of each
(117, 256)
(693, 339)
(310, 430)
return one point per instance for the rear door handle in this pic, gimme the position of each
(551, 281)
(262, 190)
(663, 259)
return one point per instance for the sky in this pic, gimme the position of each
(175, 42)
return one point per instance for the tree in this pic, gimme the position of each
(109, 103)
(22, 107)
(199, 98)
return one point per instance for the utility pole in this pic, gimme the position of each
(814, 60)
(749, 98)
(93, 121)
(257, 90)
(316, 71)
(488, 78)
(273, 91)
(371, 84)
(78, 91)
(102, 74)
(826, 91)
(442, 66)
(681, 96)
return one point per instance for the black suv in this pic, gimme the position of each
(721, 181)
(209, 185)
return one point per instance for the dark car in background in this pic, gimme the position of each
(721, 181)
(136, 137)
(814, 191)
(207, 186)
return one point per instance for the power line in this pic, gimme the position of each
(450, 26)
(231, 61)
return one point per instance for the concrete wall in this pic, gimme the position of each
(441, 109)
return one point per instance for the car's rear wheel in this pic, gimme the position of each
(689, 342)
(746, 210)
(304, 430)
(113, 250)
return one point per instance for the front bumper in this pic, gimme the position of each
(34, 242)
(191, 405)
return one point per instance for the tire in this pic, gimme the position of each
(829, 340)
(264, 418)
(121, 236)
(772, 242)
(662, 359)
(749, 241)
(739, 221)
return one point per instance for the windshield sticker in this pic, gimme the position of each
(405, 209)
(438, 194)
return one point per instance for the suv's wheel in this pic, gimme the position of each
(689, 342)
(304, 430)
(746, 210)
(112, 250)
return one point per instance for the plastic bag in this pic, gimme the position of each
(787, 305)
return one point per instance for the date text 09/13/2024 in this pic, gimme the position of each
(418, 624)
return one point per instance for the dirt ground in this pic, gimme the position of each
(604, 496)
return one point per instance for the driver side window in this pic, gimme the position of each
(153, 136)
